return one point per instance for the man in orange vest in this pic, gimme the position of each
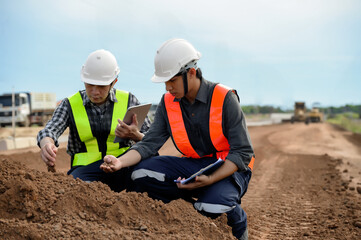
(206, 123)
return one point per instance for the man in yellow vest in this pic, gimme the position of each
(94, 117)
(206, 123)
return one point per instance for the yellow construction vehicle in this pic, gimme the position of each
(315, 115)
(299, 114)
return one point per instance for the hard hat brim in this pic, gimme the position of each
(157, 79)
(97, 82)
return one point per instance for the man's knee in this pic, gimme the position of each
(140, 174)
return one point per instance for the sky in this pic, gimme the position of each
(273, 52)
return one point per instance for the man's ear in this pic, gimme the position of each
(192, 71)
(113, 83)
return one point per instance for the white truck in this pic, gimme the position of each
(30, 108)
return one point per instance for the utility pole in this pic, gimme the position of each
(13, 115)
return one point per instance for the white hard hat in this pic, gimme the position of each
(100, 68)
(171, 57)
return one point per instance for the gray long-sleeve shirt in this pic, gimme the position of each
(196, 121)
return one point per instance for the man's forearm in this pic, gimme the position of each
(130, 158)
(227, 169)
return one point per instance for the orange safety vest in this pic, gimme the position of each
(179, 132)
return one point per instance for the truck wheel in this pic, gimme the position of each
(26, 123)
(44, 120)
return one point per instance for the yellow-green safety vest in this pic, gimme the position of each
(81, 120)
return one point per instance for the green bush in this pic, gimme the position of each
(349, 121)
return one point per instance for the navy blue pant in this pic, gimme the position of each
(156, 176)
(117, 181)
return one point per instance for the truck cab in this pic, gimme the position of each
(21, 109)
(299, 114)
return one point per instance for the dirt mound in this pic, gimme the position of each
(40, 205)
(306, 184)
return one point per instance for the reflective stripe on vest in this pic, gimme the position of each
(81, 120)
(179, 132)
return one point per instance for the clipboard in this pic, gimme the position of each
(141, 111)
(210, 168)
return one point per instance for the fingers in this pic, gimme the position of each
(111, 164)
(106, 168)
(199, 181)
(107, 159)
(121, 124)
(135, 120)
(48, 154)
(49, 150)
(124, 130)
(48, 160)
(55, 150)
(119, 130)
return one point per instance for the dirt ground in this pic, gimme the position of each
(306, 184)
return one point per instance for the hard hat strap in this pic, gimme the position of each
(185, 81)
(112, 85)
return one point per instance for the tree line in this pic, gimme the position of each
(267, 109)
(256, 109)
(342, 109)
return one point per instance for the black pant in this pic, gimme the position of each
(117, 181)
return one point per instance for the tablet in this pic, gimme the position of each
(141, 111)
(207, 170)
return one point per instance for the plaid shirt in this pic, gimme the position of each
(97, 118)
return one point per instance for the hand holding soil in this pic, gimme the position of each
(51, 169)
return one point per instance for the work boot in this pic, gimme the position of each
(244, 235)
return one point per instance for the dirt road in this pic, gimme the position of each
(306, 185)
(296, 190)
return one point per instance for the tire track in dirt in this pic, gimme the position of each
(297, 196)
